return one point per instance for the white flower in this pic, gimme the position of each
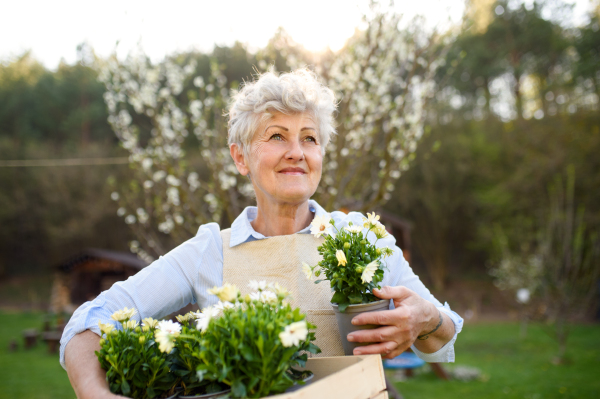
(293, 334)
(130, 324)
(204, 317)
(148, 184)
(221, 306)
(123, 314)
(320, 225)
(166, 340)
(159, 175)
(307, 270)
(211, 311)
(121, 211)
(172, 180)
(202, 323)
(369, 272)
(169, 326)
(268, 297)
(379, 230)
(147, 163)
(227, 293)
(371, 220)
(258, 285)
(280, 291)
(186, 317)
(114, 196)
(149, 322)
(264, 297)
(106, 328)
(353, 229)
(341, 257)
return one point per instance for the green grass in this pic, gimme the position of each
(517, 368)
(511, 367)
(32, 373)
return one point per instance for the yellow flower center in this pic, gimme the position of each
(322, 227)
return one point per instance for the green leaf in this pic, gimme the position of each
(125, 388)
(238, 388)
(355, 298)
(342, 307)
(338, 297)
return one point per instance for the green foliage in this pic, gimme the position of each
(186, 359)
(243, 348)
(134, 365)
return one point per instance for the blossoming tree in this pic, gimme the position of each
(382, 79)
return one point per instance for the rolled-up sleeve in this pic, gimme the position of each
(167, 285)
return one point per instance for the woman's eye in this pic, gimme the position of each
(276, 136)
(311, 138)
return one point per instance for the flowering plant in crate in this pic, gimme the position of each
(353, 265)
(135, 367)
(186, 353)
(251, 344)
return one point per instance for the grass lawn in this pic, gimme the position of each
(32, 373)
(511, 368)
(517, 368)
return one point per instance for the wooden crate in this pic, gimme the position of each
(342, 377)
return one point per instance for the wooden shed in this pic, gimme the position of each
(82, 277)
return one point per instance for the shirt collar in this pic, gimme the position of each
(242, 231)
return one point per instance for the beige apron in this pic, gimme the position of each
(279, 260)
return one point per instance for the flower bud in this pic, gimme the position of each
(347, 245)
(336, 275)
(102, 341)
(360, 269)
(138, 330)
(363, 242)
(142, 339)
(378, 252)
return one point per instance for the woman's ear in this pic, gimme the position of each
(238, 158)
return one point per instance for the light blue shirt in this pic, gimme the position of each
(184, 275)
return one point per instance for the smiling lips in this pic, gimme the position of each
(293, 171)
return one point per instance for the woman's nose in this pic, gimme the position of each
(295, 151)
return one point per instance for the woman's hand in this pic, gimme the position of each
(412, 318)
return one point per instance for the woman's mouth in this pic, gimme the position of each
(292, 171)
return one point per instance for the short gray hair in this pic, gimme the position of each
(289, 93)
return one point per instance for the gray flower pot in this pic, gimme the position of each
(344, 321)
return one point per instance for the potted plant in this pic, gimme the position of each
(250, 344)
(135, 367)
(354, 267)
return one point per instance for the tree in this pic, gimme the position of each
(159, 112)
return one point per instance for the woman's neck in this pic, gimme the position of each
(281, 219)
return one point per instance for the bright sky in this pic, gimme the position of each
(53, 29)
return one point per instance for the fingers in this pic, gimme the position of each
(397, 293)
(382, 348)
(380, 334)
(382, 318)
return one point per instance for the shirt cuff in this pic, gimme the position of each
(86, 317)
(446, 352)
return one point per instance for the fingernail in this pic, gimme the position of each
(354, 321)
(350, 338)
(357, 352)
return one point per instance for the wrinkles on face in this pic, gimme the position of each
(285, 158)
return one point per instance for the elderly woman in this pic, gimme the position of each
(279, 128)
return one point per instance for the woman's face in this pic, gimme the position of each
(285, 159)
